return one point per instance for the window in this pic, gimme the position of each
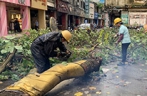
(83, 5)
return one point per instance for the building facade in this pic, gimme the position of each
(37, 11)
(68, 13)
(87, 4)
(9, 11)
(132, 12)
(96, 11)
(62, 14)
(79, 12)
(51, 11)
(91, 12)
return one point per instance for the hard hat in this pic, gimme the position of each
(117, 20)
(67, 35)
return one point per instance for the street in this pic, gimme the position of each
(128, 80)
(113, 31)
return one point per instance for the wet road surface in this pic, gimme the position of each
(128, 80)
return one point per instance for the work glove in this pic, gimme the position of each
(63, 56)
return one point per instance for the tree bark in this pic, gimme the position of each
(7, 60)
(40, 84)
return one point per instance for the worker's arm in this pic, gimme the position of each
(54, 54)
(62, 47)
(57, 54)
(116, 35)
(120, 38)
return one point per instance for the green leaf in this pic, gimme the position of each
(15, 77)
(10, 37)
(4, 51)
(138, 40)
(64, 63)
(29, 52)
(19, 48)
(11, 49)
(6, 41)
(3, 77)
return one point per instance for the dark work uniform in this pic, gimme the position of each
(43, 47)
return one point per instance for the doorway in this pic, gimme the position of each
(34, 17)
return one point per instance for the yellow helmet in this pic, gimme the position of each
(67, 35)
(117, 20)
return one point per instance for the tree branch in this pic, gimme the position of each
(7, 60)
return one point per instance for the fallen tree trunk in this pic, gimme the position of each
(8, 59)
(38, 85)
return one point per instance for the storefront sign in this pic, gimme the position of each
(124, 18)
(107, 22)
(71, 9)
(82, 14)
(39, 4)
(138, 18)
(139, 1)
(95, 15)
(20, 2)
(91, 10)
(62, 7)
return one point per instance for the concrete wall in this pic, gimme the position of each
(138, 18)
(91, 10)
(118, 2)
(42, 21)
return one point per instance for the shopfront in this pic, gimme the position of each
(51, 11)
(96, 18)
(38, 9)
(12, 10)
(71, 22)
(106, 16)
(101, 20)
(91, 12)
(82, 16)
(62, 16)
(77, 16)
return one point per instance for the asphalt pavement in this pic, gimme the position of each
(128, 80)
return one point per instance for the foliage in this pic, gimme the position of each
(106, 47)
(23, 56)
(81, 45)
(100, 5)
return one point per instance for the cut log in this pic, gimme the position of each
(38, 85)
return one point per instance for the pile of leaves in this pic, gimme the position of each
(83, 45)
(15, 53)
(105, 41)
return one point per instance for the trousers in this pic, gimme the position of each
(41, 60)
(124, 51)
